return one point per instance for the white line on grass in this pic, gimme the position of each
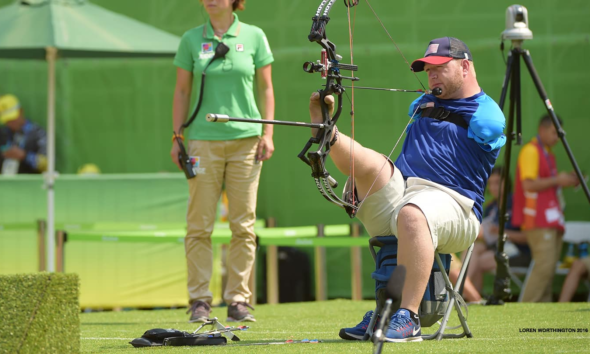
(470, 339)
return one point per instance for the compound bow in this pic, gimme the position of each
(330, 69)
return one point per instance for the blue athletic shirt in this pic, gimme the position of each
(452, 156)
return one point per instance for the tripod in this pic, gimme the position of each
(512, 76)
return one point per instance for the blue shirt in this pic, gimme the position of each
(452, 156)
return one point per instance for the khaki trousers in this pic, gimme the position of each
(232, 162)
(545, 245)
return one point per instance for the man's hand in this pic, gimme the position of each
(265, 148)
(315, 109)
(15, 153)
(174, 153)
(567, 179)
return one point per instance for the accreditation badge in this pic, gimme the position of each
(206, 50)
(196, 162)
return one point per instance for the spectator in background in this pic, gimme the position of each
(224, 153)
(470, 293)
(580, 269)
(516, 247)
(89, 169)
(23, 144)
(538, 208)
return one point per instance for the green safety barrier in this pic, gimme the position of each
(304, 236)
(145, 232)
(17, 226)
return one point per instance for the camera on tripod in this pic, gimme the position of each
(517, 31)
(517, 24)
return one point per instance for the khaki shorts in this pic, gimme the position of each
(453, 225)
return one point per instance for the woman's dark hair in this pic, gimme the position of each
(500, 170)
(237, 5)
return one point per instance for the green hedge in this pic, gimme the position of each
(39, 313)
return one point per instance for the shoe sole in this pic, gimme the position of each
(349, 336)
(409, 339)
(245, 319)
(198, 319)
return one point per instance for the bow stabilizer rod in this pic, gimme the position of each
(223, 118)
(436, 91)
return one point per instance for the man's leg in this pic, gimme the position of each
(371, 169)
(543, 244)
(426, 219)
(557, 244)
(577, 271)
(415, 253)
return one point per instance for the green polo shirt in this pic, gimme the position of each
(229, 86)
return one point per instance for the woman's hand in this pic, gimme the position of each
(265, 148)
(174, 154)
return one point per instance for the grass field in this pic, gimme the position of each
(496, 329)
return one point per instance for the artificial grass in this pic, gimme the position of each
(39, 313)
(496, 329)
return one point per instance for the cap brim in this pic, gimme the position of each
(418, 64)
(4, 118)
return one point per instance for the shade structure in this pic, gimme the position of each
(51, 29)
(77, 28)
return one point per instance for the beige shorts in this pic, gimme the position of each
(453, 225)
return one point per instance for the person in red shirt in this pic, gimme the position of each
(538, 208)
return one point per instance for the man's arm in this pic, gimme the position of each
(563, 179)
(528, 160)
(487, 125)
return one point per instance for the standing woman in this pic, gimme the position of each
(228, 153)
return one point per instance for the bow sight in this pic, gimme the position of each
(330, 67)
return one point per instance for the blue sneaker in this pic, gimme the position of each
(357, 332)
(402, 328)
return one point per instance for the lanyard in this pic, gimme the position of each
(552, 168)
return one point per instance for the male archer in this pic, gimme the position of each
(431, 197)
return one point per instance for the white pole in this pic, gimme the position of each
(50, 175)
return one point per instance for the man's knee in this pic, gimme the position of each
(410, 219)
(410, 214)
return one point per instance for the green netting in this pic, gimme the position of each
(116, 113)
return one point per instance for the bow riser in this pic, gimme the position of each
(329, 66)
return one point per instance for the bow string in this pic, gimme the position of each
(330, 68)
